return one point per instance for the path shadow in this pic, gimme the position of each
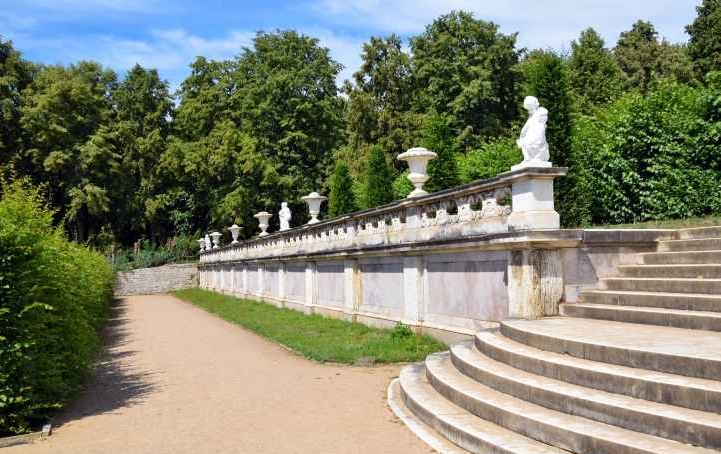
(114, 383)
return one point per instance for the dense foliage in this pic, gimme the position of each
(123, 160)
(341, 199)
(53, 297)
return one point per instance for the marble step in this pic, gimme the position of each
(700, 232)
(710, 321)
(698, 271)
(688, 392)
(662, 285)
(567, 432)
(680, 258)
(673, 350)
(695, 244)
(681, 301)
(458, 425)
(667, 421)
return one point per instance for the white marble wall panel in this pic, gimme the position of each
(329, 278)
(382, 287)
(270, 281)
(295, 282)
(469, 285)
(253, 277)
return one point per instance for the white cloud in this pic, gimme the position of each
(539, 23)
(344, 49)
(141, 6)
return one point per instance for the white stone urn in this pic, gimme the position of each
(216, 239)
(313, 200)
(234, 231)
(417, 159)
(201, 243)
(263, 218)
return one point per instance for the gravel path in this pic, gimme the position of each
(179, 380)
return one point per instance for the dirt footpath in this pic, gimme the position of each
(178, 380)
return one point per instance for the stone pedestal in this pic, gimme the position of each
(532, 198)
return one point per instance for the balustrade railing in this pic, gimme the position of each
(482, 207)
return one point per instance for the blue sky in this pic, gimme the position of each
(168, 34)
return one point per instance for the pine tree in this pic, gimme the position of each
(704, 46)
(341, 199)
(594, 77)
(438, 137)
(378, 189)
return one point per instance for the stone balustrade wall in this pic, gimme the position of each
(158, 279)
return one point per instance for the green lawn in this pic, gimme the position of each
(314, 336)
(668, 224)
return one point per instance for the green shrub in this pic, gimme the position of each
(489, 160)
(54, 295)
(652, 157)
(181, 248)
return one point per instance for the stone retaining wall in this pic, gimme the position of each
(159, 279)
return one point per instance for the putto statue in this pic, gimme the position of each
(533, 136)
(284, 214)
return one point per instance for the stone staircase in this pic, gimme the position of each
(634, 368)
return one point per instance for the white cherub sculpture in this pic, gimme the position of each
(284, 214)
(533, 135)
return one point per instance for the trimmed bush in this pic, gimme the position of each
(54, 296)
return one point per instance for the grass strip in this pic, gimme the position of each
(314, 336)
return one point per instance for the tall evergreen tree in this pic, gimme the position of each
(341, 199)
(546, 77)
(438, 137)
(704, 47)
(594, 77)
(378, 184)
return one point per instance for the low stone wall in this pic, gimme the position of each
(159, 279)
(448, 288)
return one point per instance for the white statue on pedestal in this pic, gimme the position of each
(533, 136)
(284, 214)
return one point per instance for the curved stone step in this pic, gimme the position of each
(673, 350)
(689, 392)
(686, 319)
(681, 301)
(689, 258)
(695, 244)
(432, 438)
(667, 421)
(564, 431)
(662, 285)
(693, 271)
(458, 425)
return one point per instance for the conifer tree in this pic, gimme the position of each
(438, 137)
(341, 199)
(704, 47)
(378, 188)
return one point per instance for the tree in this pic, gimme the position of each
(594, 77)
(438, 137)
(15, 75)
(285, 97)
(704, 46)
(379, 102)
(645, 60)
(143, 107)
(64, 115)
(466, 68)
(378, 184)
(341, 199)
(546, 77)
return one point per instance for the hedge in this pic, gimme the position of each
(54, 296)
